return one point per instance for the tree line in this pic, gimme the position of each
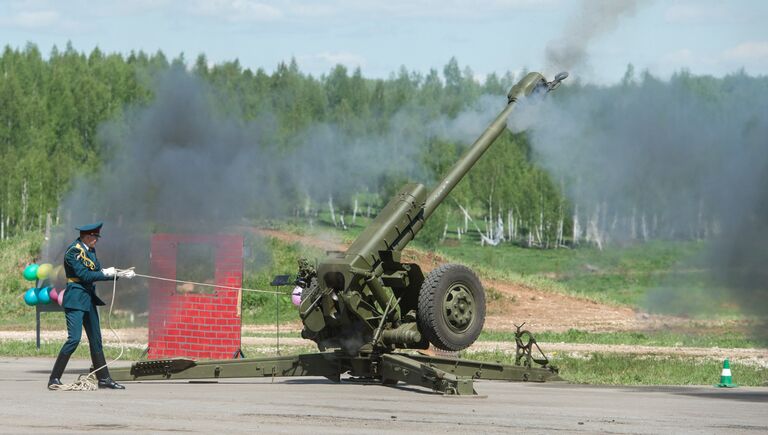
(52, 109)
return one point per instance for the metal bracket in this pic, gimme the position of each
(524, 350)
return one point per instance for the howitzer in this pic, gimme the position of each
(365, 303)
(366, 298)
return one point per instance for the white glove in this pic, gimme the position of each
(109, 272)
(129, 273)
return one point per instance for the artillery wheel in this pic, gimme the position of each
(451, 310)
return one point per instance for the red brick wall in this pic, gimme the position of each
(195, 325)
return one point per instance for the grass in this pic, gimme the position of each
(634, 275)
(50, 349)
(620, 275)
(24, 348)
(55, 321)
(281, 258)
(15, 254)
(623, 275)
(635, 369)
(726, 339)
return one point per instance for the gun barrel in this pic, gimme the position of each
(529, 84)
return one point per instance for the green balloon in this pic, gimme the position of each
(30, 273)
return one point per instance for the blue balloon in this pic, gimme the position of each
(30, 297)
(42, 296)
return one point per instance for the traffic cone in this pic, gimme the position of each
(725, 376)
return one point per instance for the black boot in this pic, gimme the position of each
(110, 383)
(58, 370)
(102, 374)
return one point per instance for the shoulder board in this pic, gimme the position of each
(74, 246)
(82, 256)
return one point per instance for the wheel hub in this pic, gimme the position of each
(459, 307)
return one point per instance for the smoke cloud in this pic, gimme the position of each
(187, 162)
(594, 18)
(683, 159)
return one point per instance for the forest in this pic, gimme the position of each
(637, 160)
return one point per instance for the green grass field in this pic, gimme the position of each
(15, 254)
(727, 338)
(618, 275)
(635, 369)
(260, 308)
(669, 277)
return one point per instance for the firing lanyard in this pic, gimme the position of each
(213, 285)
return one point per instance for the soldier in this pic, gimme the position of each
(80, 301)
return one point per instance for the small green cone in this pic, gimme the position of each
(725, 376)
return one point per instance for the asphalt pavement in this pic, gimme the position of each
(316, 405)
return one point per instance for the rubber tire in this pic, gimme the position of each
(432, 322)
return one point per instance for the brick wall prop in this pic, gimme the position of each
(203, 323)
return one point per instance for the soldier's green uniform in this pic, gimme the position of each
(83, 269)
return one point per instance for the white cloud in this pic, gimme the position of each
(410, 8)
(237, 10)
(748, 52)
(678, 58)
(695, 13)
(449, 8)
(36, 19)
(750, 55)
(135, 7)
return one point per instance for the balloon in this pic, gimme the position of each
(44, 271)
(296, 296)
(60, 299)
(30, 297)
(30, 273)
(42, 296)
(54, 295)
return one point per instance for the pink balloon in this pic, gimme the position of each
(60, 299)
(296, 296)
(54, 294)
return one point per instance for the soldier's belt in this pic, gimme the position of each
(73, 279)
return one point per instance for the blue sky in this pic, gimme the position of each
(706, 37)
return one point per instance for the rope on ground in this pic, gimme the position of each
(89, 382)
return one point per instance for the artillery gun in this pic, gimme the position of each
(365, 303)
(366, 299)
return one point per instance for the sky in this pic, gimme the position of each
(703, 36)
